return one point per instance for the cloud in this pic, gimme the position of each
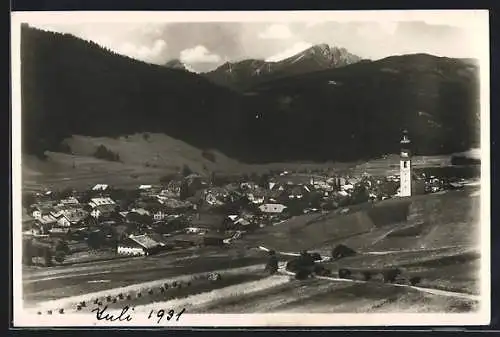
(276, 32)
(296, 48)
(199, 54)
(146, 53)
(213, 42)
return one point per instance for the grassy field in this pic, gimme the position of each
(440, 220)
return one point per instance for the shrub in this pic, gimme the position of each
(186, 170)
(104, 153)
(209, 155)
(391, 275)
(342, 251)
(146, 136)
(302, 274)
(59, 256)
(65, 148)
(415, 280)
(344, 273)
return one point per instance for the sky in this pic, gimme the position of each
(203, 46)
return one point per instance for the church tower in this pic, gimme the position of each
(405, 166)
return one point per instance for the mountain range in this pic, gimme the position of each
(321, 104)
(247, 73)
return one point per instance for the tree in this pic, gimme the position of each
(62, 246)
(184, 192)
(360, 194)
(209, 155)
(264, 180)
(168, 178)
(47, 254)
(213, 179)
(28, 199)
(65, 148)
(186, 171)
(103, 152)
(27, 252)
(59, 256)
(94, 240)
(65, 193)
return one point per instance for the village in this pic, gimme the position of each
(188, 210)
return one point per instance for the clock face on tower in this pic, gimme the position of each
(404, 154)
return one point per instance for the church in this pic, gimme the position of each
(409, 182)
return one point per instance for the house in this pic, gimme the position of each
(46, 220)
(100, 187)
(95, 202)
(160, 214)
(242, 222)
(256, 198)
(141, 211)
(69, 201)
(246, 186)
(103, 210)
(145, 187)
(215, 196)
(72, 217)
(347, 187)
(41, 209)
(174, 204)
(196, 230)
(298, 192)
(140, 245)
(272, 208)
(58, 230)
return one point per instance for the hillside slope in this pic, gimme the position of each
(358, 111)
(70, 86)
(144, 158)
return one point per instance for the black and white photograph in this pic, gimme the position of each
(201, 169)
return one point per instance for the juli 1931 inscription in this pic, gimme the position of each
(127, 314)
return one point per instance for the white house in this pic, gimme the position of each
(145, 187)
(160, 215)
(100, 187)
(272, 208)
(255, 199)
(195, 230)
(138, 245)
(95, 202)
(69, 201)
(39, 210)
(101, 210)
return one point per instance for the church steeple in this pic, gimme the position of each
(405, 166)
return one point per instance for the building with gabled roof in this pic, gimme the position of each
(72, 217)
(95, 202)
(139, 245)
(272, 208)
(100, 187)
